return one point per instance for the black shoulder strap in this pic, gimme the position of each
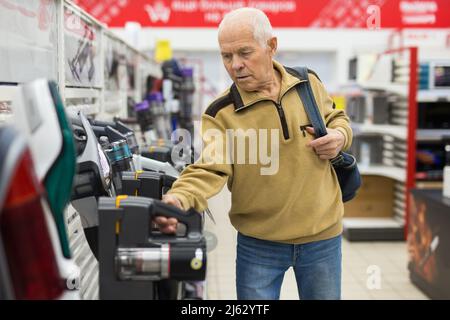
(309, 102)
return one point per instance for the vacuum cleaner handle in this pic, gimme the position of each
(191, 218)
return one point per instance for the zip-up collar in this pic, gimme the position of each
(243, 99)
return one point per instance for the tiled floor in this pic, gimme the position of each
(362, 263)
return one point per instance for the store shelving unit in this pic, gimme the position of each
(431, 134)
(392, 172)
(61, 42)
(396, 143)
(433, 95)
(102, 93)
(102, 51)
(398, 89)
(70, 48)
(395, 131)
(433, 103)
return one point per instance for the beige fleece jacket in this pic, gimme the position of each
(301, 201)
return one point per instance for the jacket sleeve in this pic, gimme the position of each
(208, 175)
(334, 119)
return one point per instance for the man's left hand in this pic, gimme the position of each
(329, 146)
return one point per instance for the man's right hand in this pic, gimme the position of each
(172, 200)
(168, 225)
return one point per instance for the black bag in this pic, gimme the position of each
(344, 164)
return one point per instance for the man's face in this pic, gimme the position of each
(248, 64)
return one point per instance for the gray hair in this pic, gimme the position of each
(255, 18)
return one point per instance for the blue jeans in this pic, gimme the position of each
(261, 264)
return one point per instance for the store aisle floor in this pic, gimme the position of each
(361, 262)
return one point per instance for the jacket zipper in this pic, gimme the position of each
(303, 129)
(281, 112)
(279, 109)
(283, 120)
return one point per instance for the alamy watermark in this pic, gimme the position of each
(233, 146)
(373, 281)
(73, 283)
(373, 21)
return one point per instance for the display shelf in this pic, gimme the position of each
(372, 223)
(75, 93)
(387, 95)
(396, 131)
(397, 174)
(429, 185)
(373, 229)
(431, 134)
(86, 109)
(433, 95)
(392, 88)
(399, 89)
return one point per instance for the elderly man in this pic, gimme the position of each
(292, 218)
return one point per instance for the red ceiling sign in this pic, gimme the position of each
(371, 14)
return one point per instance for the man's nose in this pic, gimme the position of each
(237, 64)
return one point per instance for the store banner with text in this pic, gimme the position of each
(282, 13)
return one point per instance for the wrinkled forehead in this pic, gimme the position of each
(234, 28)
(236, 33)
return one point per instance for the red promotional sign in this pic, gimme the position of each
(370, 14)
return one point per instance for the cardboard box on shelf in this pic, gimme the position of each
(375, 198)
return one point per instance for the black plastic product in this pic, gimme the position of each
(133, 256)
(90, 180)
(159, 153)
(146, 184)
(115, 131)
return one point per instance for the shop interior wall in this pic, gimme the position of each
(326, 51)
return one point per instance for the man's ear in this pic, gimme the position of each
(272, 43)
